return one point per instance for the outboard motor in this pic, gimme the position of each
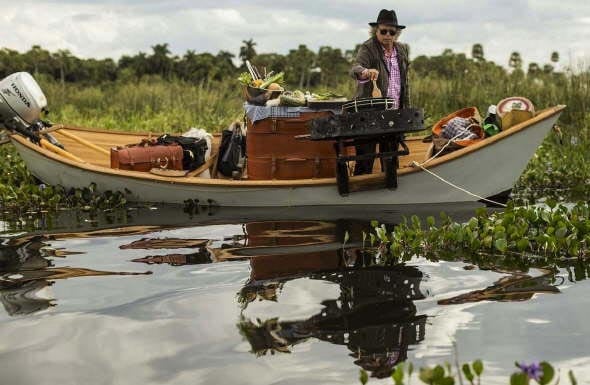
(21, 104)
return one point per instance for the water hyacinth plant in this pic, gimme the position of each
(23, 197)
(541, 373)
(546, 232)
(533, 371)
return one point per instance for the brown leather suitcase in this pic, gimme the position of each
(289, 233)
(279, 265)
(144, 158)
(274, 153)
(263, 168)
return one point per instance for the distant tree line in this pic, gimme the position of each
(303, 67)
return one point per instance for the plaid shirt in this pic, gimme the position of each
(458, 128)
(395, 86)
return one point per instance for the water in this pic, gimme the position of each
(265, 297)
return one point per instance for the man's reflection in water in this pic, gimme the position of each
(374, 315)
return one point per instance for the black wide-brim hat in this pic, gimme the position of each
(388, 18)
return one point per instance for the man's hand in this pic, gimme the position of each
(370, 73)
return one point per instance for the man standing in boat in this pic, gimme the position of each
(382, 61)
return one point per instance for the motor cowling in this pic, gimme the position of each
(21, 101)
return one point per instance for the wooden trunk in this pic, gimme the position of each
(274, 153)
(275, 266)
(290, 168)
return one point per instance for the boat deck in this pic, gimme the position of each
(419, 150)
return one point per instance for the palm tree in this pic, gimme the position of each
(159, 61)
(64, 59)
(247, 51)
(548, 68)
(301, 60)
(477, 52)
(225, 61)
(515, 60)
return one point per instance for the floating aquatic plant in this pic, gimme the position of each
(541, 373)
(548, 233)
(26, 203)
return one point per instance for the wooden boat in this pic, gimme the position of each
(488, 168)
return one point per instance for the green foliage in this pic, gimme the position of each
(472, 371)
(437, 375)
(363, 377)
(150, 105)
(560, 169)
(478, 367)
(22, 195)
(398, 374)
(444, 375)
(247, 50)
(552, 233)
(468, 373)
(519, 379)
(548, 373)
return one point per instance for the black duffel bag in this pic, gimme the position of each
(231, 151)
(193, 149)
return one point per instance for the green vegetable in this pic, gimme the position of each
(245, 78)
(292, 99)
(326, 95)
(278, 78)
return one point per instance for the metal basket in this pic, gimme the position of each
(259, 96)
(368, 104)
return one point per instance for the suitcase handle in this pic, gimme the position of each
(164, 165)
(295, 160)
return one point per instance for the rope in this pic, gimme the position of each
(416, 164)
(452, 140)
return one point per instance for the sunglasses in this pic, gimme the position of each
(384, 32)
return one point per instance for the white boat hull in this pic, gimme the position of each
(487, 171)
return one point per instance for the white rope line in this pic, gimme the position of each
(452, 140)
(416, 164)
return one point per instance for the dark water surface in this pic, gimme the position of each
(265, 297)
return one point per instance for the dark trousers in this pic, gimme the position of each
(366, 166)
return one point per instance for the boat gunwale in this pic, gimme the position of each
(367, 178)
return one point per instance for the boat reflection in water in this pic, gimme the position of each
(372, 312)
(374, 315)
(27, 273)
(511, 288)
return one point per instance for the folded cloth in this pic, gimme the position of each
(256, 113)
(459, 128)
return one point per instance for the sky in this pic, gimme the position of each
(111, 28)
